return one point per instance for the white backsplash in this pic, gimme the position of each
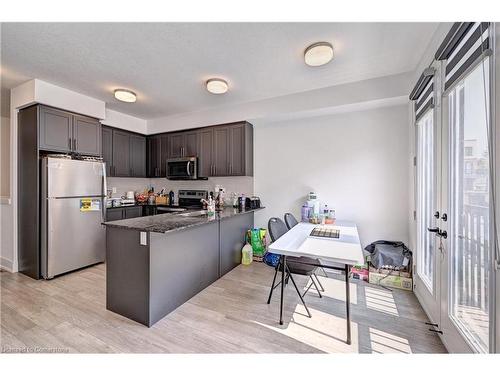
(124, 184)
(231, 184)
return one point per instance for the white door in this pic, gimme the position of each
(427, 275)
(467, 281)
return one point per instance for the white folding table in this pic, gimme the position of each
(332, 253)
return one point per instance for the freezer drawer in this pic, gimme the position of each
(74, 178)
(75, 238)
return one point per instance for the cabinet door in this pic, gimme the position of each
(56, 130)
(164, 154)
(153, 156)
(191, 143)
(131, 212)
(237, 150)
(176, 145)
(205, 152)
(137, 155)
(114, 214)
(221, 151)
(107, 149)
(86, 136)
(121, 153)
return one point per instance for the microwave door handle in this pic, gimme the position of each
(187, 168)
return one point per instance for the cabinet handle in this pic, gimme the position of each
(74, 144)
(69, 143)
(215, 169)
(230, 168)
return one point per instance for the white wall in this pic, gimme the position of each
(123, 121)
(356, 162)
(5, 201)
(368, 91)
(4, 157)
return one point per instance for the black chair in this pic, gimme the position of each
(291, 221)
(277, 228)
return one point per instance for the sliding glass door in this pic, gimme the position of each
(469, 264)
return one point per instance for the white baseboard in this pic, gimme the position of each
(6, 264)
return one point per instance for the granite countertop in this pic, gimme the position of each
(138, 204)
(168, 222)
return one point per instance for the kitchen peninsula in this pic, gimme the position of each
(156, 263)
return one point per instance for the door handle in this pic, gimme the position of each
(443, 234)
(433, 230)
(436, 214)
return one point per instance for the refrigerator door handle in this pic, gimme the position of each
(104, 193)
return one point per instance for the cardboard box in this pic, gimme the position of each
(391, 281)
(387, 271)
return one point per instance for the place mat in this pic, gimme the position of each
(323, 232)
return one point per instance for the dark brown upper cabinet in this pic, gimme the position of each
(86, 135)
(153, 156)
(176, 145)
(222, 150)
(56, 130)
(241, 150)
(137, 155)
(121, 154)
(164, 153)
(183, 144)
(107, 148)
(233, 150)
(63, 131)
(124, 153)
(205, 152)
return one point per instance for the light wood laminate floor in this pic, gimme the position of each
(68, 314)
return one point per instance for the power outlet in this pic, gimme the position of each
(113, 190)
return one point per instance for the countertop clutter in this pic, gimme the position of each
(169, 222)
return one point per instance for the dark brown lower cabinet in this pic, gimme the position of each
(120, 213)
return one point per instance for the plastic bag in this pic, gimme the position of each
(257, 238)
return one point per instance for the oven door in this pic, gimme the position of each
(182, 169)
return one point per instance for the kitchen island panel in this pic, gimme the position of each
(183, 263)
(127, 275)
(232, 239)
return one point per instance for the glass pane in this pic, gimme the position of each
(470, 209)
(425, 199)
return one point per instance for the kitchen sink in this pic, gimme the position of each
(194, 213)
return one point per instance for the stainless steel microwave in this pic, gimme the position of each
(185, 168)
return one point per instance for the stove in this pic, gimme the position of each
(192, 198)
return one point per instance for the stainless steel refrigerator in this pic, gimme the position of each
(73, 208)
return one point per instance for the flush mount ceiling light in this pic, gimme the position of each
(217, 86)
(125, 95)
(318, 54)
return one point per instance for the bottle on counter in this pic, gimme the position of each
(241, 202)
(234, 199)
(211, 205)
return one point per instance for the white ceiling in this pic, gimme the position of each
(166, 64)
